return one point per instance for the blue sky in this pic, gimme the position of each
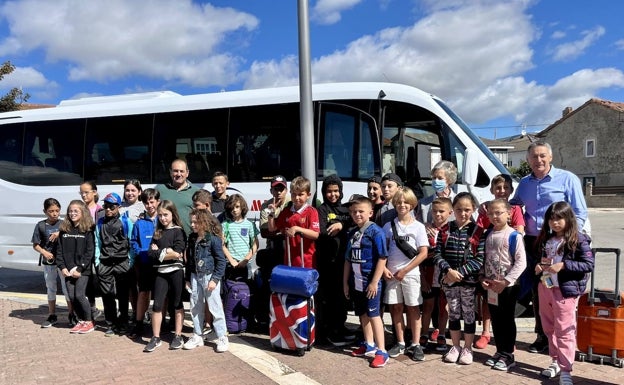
(503, 66)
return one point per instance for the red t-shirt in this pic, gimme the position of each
(306, 217)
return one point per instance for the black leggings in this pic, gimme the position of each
(168, 285)
(76, 289)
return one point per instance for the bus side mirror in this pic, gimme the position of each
(471, 167)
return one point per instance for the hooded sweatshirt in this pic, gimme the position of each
(332, 248)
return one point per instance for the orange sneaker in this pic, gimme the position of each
(87, 327)
(76, 328)
(481, 342)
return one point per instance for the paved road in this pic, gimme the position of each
(31, 355)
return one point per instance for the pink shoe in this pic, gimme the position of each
(87, 327)
(76, 328)
(481, 342)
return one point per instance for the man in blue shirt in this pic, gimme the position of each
(536, 192)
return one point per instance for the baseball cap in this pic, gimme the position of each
(278, 180)
(393, 177)
(355, 198)
(112, 198)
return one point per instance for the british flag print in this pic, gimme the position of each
(292, 324)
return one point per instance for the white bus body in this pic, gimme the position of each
(361, 130)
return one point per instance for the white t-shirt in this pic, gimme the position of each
(416, 236)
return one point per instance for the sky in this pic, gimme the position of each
(502, 66)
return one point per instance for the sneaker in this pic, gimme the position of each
(504, 363)
(424, 340)
(137, 330)
(153, 343)
(50, 321)
(552, 370)
(194, 342)
(492, 360)
(418, 354)
(365, 350)
(481, 342)
(565, 379)
(96, 313)
(380, 360)
(465, 358)
(207, 330)
(110, 332)
(87, 327)
(441, 344)
(434, 334)
(453, 354)
(337, 339)
(540, 345)
(396, 350)
(176, 343)
(76, 328)
(72, 320)
(223, 344)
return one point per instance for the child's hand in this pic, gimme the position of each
(53, 236)
(371, 290)
(211, 285)
(387, 274)
(334, 229)
(345, 290)
(453, 276)
(399, 275)
(154, 246)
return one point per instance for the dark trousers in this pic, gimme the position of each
(504, 320)
(114, 279)
(330, 301)
(532, 261)
(76, 290)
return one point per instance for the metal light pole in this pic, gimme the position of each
(308, 166)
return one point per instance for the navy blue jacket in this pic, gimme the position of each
(576, 268)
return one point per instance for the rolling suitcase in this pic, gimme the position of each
(292, 317)
(600, 320)
(236, 305)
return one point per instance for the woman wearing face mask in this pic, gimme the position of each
(443, 177)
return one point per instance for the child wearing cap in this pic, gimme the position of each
(112, 259)
(298, 220)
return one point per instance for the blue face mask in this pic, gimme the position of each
(438, 185)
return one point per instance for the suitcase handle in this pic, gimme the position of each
(301, 246)
(617, 299)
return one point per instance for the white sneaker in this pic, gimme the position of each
(222, 344)
(552, 370)
(193, 342)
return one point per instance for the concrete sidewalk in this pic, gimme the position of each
(32, 355)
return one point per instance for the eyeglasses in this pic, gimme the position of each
(83, 193)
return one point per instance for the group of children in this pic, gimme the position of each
(382, 249)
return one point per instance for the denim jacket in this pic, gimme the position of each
(205, 256)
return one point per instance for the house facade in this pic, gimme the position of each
(588, 142)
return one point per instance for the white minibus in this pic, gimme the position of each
(360, 130)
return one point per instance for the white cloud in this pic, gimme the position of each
(558, 35)
(108, 40)
(619, 44)
(437, 53)
(574, 49)
(329, 11)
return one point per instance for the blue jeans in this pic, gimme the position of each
(201, 294)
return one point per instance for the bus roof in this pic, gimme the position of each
(167, 101)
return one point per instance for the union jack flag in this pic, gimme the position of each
(292, 321)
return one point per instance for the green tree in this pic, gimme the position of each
(15, 97)
(523, 170)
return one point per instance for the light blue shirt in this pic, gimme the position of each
(536, 195)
